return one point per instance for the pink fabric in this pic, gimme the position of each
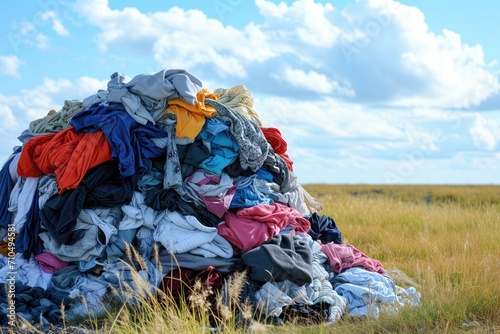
(216, 196)
(345, 256)
(49, 263)
(247, 228)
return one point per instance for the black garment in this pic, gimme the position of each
(30, 303)
(6, 186)
(168, 199)
(102, 186)
(234, 170)
(191, 156)
(306, 314)
(277, 166)
(324, 229)
(283, 257)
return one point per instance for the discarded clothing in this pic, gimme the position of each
(130, 142)
(96, 227)
(102, 186)
(6, 186)
(323, 228)
(28, 242)
(214, 191)
(162, 199)
(180, 283)
(172, 176)
(369, 293)
(67, 154)
(169, 262)
(222, 147)
(25, 271)
(181, 234)
(261, 222)
(279, 145)
(283, 257)
(50, 263)
(21, 201)
(57, 121)
(247, 194)
(239, 99)
(191, 156)
(191, 117)
(345, 256)
(31, 304)
(251, 141)
(145, 96)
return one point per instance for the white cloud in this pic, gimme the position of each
(37, 102)
(315, 82)
(327, 118)
(34, 33)
(485, 133)
(310, 22)
(57, 26)
(6, 114)
(407, 64)
(374, 51)
(9, 66)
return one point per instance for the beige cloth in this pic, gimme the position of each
(239, 99)
(57, 121)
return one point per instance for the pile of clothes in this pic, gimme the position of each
(190, 180)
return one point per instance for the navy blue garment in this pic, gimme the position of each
(324, 229)
(102, 186)
(28, 242)
(130, 141)
(191, 156)
(6, 186)
(31, 303)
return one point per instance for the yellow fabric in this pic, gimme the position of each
(51, 112)
(191, 117)
(4, 248)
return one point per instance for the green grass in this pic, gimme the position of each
(444, 240)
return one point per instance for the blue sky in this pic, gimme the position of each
(369, 91)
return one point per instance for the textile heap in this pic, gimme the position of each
(192, 181)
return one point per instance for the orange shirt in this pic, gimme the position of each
(191, 117)
(66, 154)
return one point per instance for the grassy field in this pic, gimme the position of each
(444, 240)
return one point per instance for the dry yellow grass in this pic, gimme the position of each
(445, 238)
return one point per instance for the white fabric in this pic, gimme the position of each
(137, 214)
(180, 234)
(21, 199)
(26, 272)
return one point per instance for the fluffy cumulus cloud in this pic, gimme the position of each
(37, 102)
(9, 66)
(314, 50)
(485, 133)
